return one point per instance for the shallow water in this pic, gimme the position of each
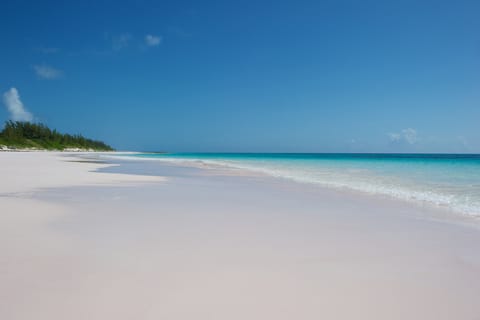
(447, 180)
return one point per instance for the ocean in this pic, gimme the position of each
(450, 181)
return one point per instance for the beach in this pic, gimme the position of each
(83, 236)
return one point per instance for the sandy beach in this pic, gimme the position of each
(81, 238)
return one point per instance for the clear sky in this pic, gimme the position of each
(272, 76)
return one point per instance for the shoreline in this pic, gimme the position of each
(87, 240)
(435, 210)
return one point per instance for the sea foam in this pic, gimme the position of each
(448, 181)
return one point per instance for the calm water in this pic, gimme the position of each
(447, 180)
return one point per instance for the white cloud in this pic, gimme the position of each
(121, 41)
(408, 135)
(395, 136)
(12, 101)
(153, 41)
(47, 72)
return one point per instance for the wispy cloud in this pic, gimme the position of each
(395, 136)
(408, 135)
(15, 107)
(122, 41)
(47, 72)
(152, 40)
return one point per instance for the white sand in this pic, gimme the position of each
(28, 171)
(76, 244)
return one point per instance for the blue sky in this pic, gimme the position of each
(272, 76)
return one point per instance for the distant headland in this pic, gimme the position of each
(36, 136)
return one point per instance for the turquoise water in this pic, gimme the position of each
(448, 180)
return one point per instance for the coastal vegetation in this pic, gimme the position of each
(27, 135)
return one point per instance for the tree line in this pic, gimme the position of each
(20, 134)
